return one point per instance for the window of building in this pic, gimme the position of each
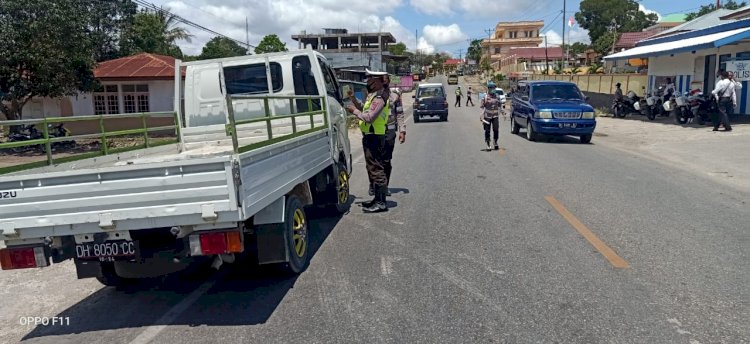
(135, 98)
(723, 61)
(252, 79)
(106, 100)
(498, 50)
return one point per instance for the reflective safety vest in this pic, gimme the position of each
(458, 91)
(378, 125)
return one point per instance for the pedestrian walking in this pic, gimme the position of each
(373, 119)
(469, 93)
(458, 97)
(490, 118)
(726, 94)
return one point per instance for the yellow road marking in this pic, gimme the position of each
(599, 245)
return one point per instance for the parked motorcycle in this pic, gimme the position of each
(26, 133)
(679, 106)
(644, 108)
(620, 108)
(60, 131)
(702, 106)
(655, 103)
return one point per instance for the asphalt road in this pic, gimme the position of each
(539, 242)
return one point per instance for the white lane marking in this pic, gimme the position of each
(152, 331)
(386, 265)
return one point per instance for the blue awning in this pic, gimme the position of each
(713, 40)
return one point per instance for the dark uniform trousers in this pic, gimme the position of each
(390, 145)
(495, 124)
(726, 108)
(375, 149)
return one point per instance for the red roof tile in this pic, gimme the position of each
(140, 66)
(452, 61)
(629, 39)
(536, 53)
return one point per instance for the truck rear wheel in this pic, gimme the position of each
(296, 236)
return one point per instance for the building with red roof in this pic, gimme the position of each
(139, 83)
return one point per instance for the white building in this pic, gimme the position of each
(693, 59)
(138, 83)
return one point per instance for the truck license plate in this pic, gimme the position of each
(107, 251)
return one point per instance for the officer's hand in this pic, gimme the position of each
(350, 93)
(402, 137)
(351, 108)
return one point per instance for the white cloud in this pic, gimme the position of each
(285, 18)
(425, 47)
(648, 11)
(575, 34)
(443, 35)
(433, 7)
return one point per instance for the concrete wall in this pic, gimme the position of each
(339, 60)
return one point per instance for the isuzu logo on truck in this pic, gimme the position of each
(8, 194)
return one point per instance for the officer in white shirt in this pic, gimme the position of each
(726, 94)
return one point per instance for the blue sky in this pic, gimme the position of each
(443, 25)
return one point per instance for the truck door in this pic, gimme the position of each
(336, 113)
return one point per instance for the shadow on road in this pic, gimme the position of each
(241, 294)
(556, 139)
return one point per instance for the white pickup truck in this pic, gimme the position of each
(260, 138)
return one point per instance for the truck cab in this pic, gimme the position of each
(554, 108)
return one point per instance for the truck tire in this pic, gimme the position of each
(514, 127)
(585, 138)
(416, 118)
(341, 190)
(296, 236)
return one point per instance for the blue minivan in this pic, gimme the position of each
(554, 108)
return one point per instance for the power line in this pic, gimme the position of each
(151, 6)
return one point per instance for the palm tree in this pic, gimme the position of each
(170, 31)
(575, 70)
(594, 67)
(154, 31)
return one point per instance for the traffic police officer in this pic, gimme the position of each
(396, 124)
(373, 119)
(490, 117)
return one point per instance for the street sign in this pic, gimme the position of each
(740, 68)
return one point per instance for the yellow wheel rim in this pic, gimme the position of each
(343, 190)
(300, 233)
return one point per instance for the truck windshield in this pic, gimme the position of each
(555, 92)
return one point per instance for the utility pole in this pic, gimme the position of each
(247, 36)
(489, 47)
(565, 58)
(614, 34)
(718, 4)
(546, 57)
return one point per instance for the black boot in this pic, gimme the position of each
(496, 146)
(380, 204)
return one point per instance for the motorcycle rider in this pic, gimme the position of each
(669, 89)
(618, 92)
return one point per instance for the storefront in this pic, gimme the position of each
(693, 60)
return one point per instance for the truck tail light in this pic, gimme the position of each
(23, 258)
(216, 243)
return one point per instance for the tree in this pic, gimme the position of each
(270, 44)
(575, 70)
(594, 68)
(219, 47)
(730, 5)
(485, 64)
(603, 45)
(600, 17)
(48, 49)
(475, 50)
(397, 49)
(108, 21)
(576, 48)
(154, 32)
